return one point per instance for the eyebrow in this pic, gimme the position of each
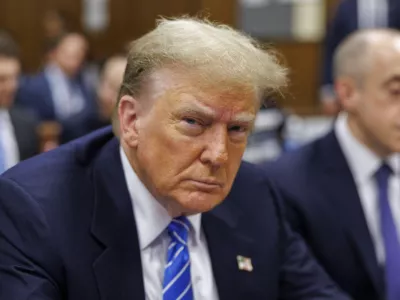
(244, 117)
(208, 113)
(198, 110)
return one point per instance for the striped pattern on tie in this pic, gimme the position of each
(177, 282)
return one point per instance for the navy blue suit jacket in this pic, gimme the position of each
(35, 93)
(323, 205)
(67, 231)
(344, 22)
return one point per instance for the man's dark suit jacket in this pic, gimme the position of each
(323, 205)
(35, 93)
(345, 22)
(25, 124)
(67, 231)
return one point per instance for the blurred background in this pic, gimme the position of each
(73, 50)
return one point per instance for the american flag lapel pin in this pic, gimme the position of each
(244, 263)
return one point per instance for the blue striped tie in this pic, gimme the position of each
(177, 282)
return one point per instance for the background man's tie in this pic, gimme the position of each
(2, 159)
(389, 234)
(2, 152)
(177, 282)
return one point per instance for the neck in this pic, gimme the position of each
(367, 139)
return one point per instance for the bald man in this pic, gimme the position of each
(343, 190)
(350, 16)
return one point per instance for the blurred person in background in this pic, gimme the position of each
(108, 89)
(342, 191)
(164, 209)
(61, 93)
(352, 15)
(55, 24)
(18, 138)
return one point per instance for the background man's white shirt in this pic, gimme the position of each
(8, 141)
(363, 164)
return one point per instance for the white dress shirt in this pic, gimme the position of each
(151, 222)
(7, 140)
(372, 13)
(67, 100)
(363, 164)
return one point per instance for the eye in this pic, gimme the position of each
(238, 133)
(238, 128)
(191, 121)
(394, 92)
(191, 126)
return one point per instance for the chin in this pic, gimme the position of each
(396, 149)
(198, 202)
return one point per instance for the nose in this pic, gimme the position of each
(215, 152)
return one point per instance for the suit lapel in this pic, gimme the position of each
(225, 244)
(338, 184)
(117, 269)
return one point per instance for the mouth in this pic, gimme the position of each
(206, 185)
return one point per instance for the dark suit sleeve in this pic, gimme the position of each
(29, 268)
(301, 277)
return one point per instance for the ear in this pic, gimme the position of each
(347, 92)
(128, 112)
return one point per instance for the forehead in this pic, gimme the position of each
(73, 43)
(386, 60)
(114, 70)
(9, 65)
(185, 89)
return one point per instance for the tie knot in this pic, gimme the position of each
(178, 230)
(383, 173)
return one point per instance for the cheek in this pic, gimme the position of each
(381, 119)
(164, 154)
(235, 155)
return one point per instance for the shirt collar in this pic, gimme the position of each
(150, 216)
(362, 161)
(52, 70)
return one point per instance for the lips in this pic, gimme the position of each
(206, 184)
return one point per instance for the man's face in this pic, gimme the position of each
(70, 54)
(109, 87)
(9, 72)
(378, 105)
(187, 141)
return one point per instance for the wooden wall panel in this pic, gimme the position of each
(224, 11)
(131, 19)
(331, 8)
(17, 17)
(303, 61)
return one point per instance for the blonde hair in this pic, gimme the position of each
(215, 52)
